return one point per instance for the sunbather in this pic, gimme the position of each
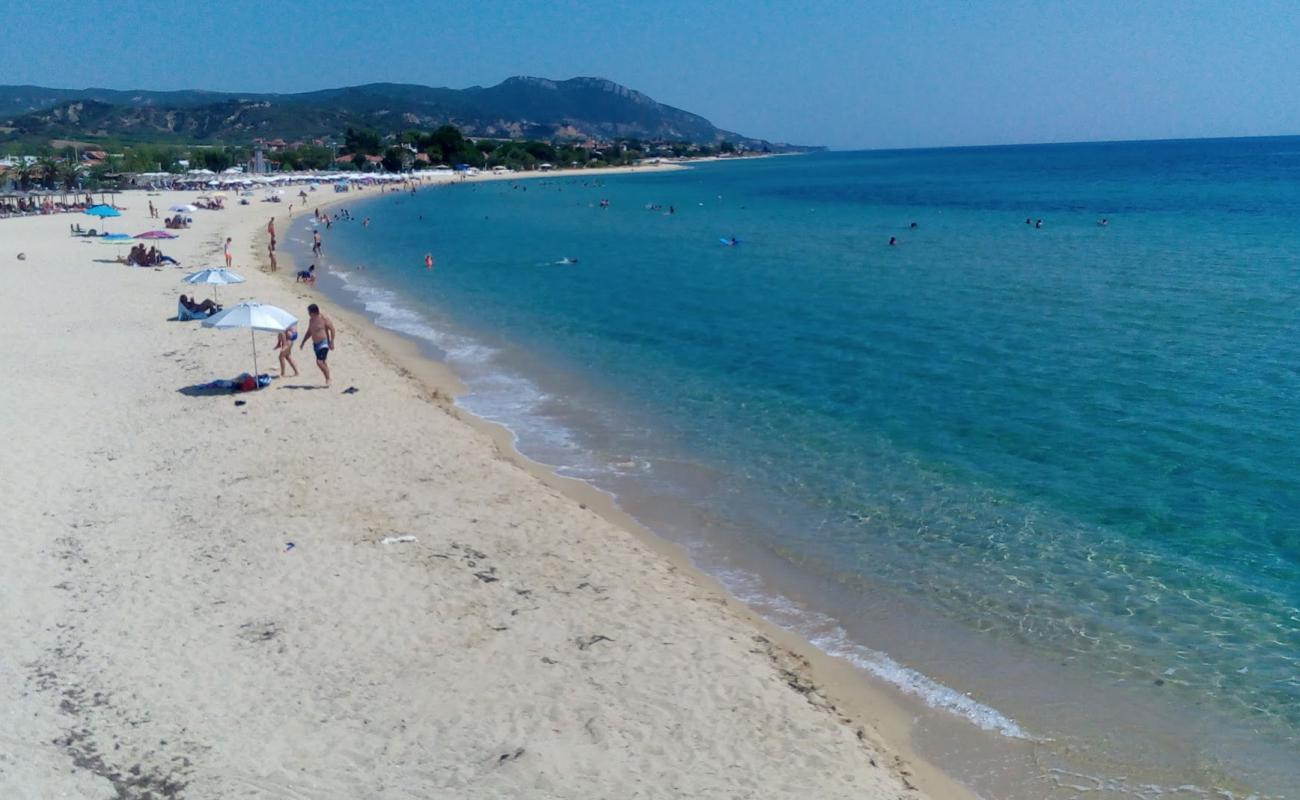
(206, 307)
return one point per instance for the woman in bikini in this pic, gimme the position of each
(284, 343)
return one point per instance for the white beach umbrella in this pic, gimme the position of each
(216, 276)
(255, 317)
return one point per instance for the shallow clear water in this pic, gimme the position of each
(1055, 468)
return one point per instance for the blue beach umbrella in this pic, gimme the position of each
(103, 211)
(118, 239)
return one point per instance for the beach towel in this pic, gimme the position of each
(242, 383)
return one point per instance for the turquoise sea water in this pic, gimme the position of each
(1045, 478)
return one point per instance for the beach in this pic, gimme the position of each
(308, 593)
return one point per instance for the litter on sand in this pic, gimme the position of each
(398, 539)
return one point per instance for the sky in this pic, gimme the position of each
(827, 72)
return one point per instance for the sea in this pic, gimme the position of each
(1013, 430)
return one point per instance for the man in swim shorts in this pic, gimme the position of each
(320, 332)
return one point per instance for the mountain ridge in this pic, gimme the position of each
(518, 107)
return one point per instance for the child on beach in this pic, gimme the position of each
(284, 343)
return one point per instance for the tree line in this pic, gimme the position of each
(63, 169)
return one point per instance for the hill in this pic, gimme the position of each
(521, 107)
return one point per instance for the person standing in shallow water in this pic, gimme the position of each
(320, 332)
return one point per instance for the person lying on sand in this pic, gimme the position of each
(206, 307)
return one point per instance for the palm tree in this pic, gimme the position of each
(70, 173)
(47, 170)
(24, 172)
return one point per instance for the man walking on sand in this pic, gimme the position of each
(270, 228)
(320, 332)
(229, 255)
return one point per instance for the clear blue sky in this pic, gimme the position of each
(846, 74)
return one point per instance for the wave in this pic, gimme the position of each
(828, 636)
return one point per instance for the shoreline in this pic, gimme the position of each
(947, 739)
(228, 618)
(891, 712)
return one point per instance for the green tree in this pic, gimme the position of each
(70, 174)
(397, 159)
(24, 172)
(446, 145)
(362, 142)
(47, 172)
(215, 159)
(540, 151)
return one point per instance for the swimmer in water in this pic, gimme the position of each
(428, 261)
(893, 242)
(1103, 222)
(567, 260)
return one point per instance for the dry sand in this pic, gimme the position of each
(162, 639)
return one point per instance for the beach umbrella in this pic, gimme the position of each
(155, 235)
(255, 317)
(118, 239)
(214, 277)
(103, 211)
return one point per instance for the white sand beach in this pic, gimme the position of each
(200, 603)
